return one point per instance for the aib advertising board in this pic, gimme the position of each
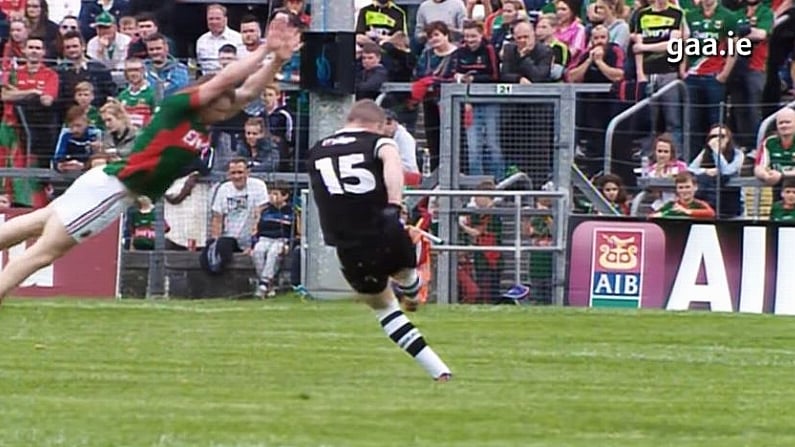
(677, 264)
(90, 270)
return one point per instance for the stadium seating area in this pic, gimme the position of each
(81, 78)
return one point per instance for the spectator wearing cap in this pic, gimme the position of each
(371, 75)
(219, 34)
(109, 46)
(90, 10)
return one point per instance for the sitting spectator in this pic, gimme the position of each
(666, 165)
(485, 230)
(612, 188)
(76, 67)
(686, 204)
(236, 205)
(545, 34)
(13, 49)
(512, 13)
(77, 142)
(525, 62)
(138, 97)
(142, 224)
(775, 159)
(129, 27)
(250, 35)
(601, 62)
(714, 166)
(273, 234)
(109, 46)
(218, 35)
(164, 73)
(84, 97)
(226, 55)
(570, 29)
(666, 162)
(258, 147)
(784, 210)
(37, 14)
(91, 10)
(147, 26)
(117, 140)
(372, 75)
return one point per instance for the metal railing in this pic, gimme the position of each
(519, 211)
(621, 117)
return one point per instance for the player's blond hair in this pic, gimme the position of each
(366, 111)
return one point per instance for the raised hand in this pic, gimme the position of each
(282, 39)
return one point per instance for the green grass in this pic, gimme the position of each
(285, 373)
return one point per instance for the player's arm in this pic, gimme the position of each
(280, 42)
(393, 172)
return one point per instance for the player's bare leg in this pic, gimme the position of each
(23, 227)
(408, 283)
(53, 243)
(398, 328)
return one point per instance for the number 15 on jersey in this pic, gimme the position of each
(347, 178)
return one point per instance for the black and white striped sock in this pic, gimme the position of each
(398, 327)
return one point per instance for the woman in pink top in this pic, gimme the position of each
(570, 30)
(666, 163)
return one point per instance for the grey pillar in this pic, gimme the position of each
(327, 115)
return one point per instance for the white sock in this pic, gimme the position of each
(398, 327)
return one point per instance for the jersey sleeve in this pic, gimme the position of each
(381, 142)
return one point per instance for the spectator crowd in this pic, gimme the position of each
(79, 79)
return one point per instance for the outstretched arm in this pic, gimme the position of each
(281, 40)
(280, 43)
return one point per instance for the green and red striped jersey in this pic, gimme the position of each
(171, 142)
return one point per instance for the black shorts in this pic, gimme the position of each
(368, 264)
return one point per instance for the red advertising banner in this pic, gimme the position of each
(90, 270)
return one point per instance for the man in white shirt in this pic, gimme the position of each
(251, 35)
(219, 34)
(237, 205)
(407, 145)
(109, 46)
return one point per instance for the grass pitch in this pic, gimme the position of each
(286, 373)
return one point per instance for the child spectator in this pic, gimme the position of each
(539, 229)
(274, 230)
(129, 27)
(686, 204)
(259, 147)
(84, 96)
(119, 135)
(784, 210)
(485, 230)
(77, 143)
(138, 97)
(142, 225)
(612, 189)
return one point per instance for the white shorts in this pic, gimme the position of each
(92, 203)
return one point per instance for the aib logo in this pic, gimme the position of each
(616, 268)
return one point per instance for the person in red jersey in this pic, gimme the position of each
(175, 138)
